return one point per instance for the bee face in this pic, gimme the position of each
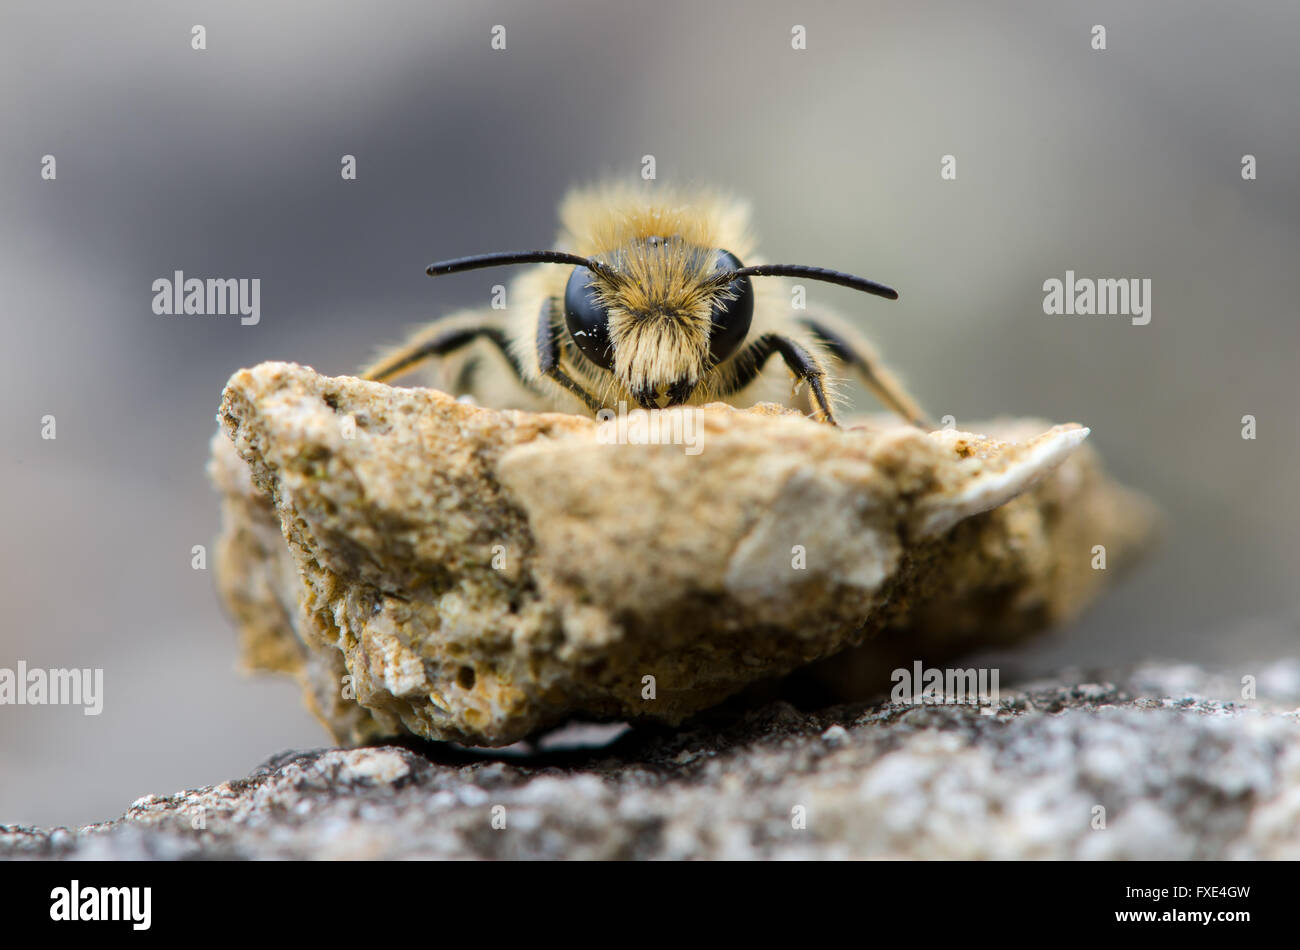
(657, 317)
(657, 308)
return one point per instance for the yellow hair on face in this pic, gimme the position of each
(663, 244)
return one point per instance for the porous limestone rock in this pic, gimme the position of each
(476, 575)
(1159, 762)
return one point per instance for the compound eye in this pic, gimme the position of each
(732, 314)
(587, 319)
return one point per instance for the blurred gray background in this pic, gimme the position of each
(1122, 163)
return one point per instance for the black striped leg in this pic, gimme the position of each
(439, 341)
(880, 381)
(548, 354)
(802, 363)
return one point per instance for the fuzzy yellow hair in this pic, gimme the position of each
(602, 218)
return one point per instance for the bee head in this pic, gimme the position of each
(659, 304)
(659, 313)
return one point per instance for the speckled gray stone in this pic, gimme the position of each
(1182, 766)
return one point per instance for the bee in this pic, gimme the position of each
(649, 303)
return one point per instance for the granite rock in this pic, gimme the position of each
(1162, 761)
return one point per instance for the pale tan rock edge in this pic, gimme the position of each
(362, 561)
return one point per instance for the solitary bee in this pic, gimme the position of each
(654, 307)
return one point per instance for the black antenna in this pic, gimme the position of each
(514, 257)
(812, 273)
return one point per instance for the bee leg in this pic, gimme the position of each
(802, 363)
(856, 353)
(438, 340)
(548, 356)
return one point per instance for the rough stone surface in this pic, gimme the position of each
(1181, 765)
(475, 575)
